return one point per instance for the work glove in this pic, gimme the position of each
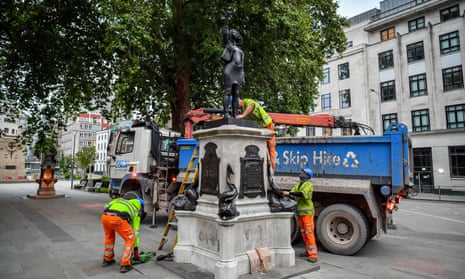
(136, 254)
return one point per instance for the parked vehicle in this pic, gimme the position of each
(358, 179)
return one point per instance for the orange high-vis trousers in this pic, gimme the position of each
(112, 224)
(307, 229)
(272, 146)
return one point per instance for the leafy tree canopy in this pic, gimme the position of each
(85, 157)
(160, 58)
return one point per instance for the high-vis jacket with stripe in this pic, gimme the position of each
(258, 114)
(302, 194)
(129, 210)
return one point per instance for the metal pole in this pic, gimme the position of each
(381, 127)
(72, 159)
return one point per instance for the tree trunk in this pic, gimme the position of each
(180, 105)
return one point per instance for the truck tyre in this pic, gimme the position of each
(342, 229)
(294, 228)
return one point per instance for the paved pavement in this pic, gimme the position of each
(63, 238)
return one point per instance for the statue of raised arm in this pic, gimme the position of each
(233, 58)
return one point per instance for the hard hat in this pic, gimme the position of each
(141, 201)
(308, 172)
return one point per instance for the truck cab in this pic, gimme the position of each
(143, 159)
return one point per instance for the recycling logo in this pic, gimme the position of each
(350, 160)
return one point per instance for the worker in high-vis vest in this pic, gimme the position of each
(123, 217)
(253, 111)
(302, 193)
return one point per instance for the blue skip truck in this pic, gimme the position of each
(358, 180)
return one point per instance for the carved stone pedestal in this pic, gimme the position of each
(233, 162)
(46, 186)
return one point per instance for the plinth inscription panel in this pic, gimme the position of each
(210, 170)
(252, 183)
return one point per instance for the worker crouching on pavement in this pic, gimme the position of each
(122, 215)
(302, 193)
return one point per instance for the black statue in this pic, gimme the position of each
(227, 207)
(233, 58)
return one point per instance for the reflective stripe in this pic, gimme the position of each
(126, 255)
(108, 253)
(126, 248)
(305, 208)
(109, 246)
(133, 211)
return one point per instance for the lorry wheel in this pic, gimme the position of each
(342, 229)
(294, 228)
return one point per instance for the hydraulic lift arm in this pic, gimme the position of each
(201, 115)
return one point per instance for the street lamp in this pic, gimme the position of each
(72, 158)
(381, 127)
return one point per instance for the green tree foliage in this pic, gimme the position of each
(85, 157)
(65, 163)
(160, 58)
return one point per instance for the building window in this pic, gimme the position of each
(325, 79)
(449, 42)
(418, 85)
(344, 98)
(327, 132)
(420, 120)
(326, 102)
(449, 13)
(455, 116)
(349, 44)
(310, 131)
(415, 24)
(388, 34)
(457, 161)
(415, 52)
(343, 71)
(452, 78)
(390, 118)
(388, 91)
(386, 59)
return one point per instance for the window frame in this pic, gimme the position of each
(455, 75)
(415, 51)
(386, 59)
(452, 39)
(421, 116)
(389, 118)
(326, 76)
(388, 90)
(449, 13)
(457, 161)
(414, 25)
(326, 102)
(388, 34)
(455, 116)
(340, 71)
(125, 143)
(418, 80)
(343, 102)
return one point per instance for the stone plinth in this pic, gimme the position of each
(221, 245)
(46, 186)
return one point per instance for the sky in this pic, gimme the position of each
(350, 8)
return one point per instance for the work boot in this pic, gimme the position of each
(125, 268)
(303, 255)
(107, 263)
(312, 260)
